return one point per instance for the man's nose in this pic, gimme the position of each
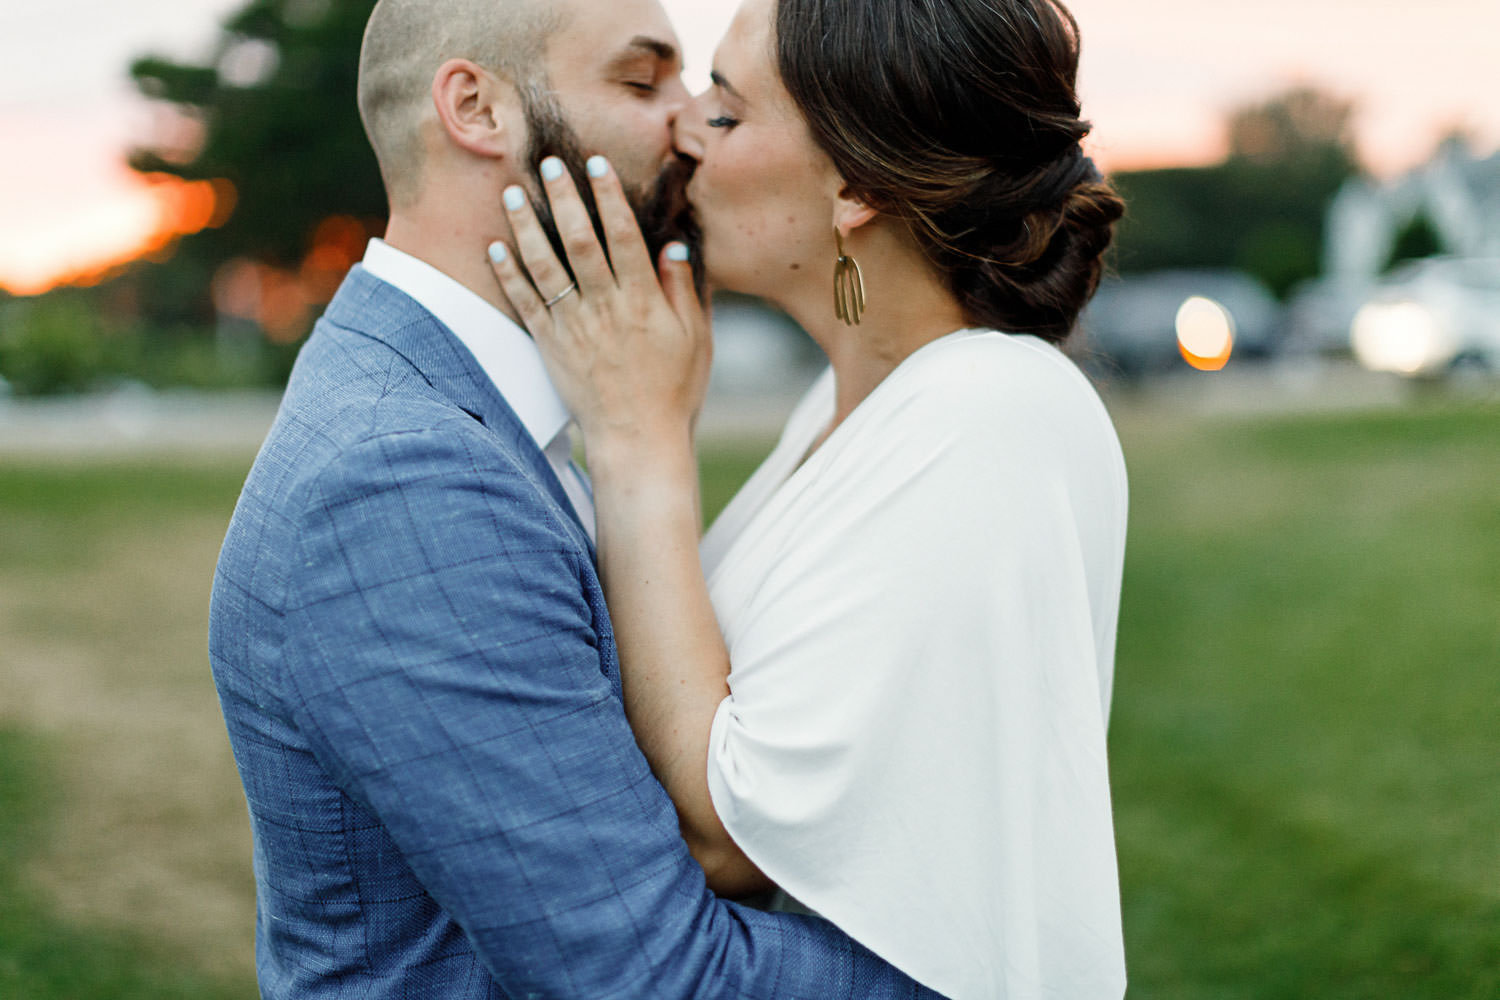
(687, 135)
(678, 99)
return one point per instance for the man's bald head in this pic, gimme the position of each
(405, 43)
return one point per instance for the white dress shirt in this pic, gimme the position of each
(505, 352)
(921, 628)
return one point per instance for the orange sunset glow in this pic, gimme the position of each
(1157, 78)
(139, 216)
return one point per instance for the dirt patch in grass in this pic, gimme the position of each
(106, 657)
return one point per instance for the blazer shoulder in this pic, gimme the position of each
(358, 416)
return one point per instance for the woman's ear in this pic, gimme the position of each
(475, 108)
(850, 212)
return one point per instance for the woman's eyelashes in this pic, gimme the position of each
(723, 121)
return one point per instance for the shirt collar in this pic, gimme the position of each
(505, 352)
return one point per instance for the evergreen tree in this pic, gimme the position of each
(275, 110)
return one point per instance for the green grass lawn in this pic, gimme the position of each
(1305, 751)
(81, 810)
(45, 957)
(1305, 743)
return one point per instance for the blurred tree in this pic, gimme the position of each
(1300, 123)
(273, 112)
(1262, 210)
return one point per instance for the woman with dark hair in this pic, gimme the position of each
(881, 685)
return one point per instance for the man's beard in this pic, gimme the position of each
(663, 213)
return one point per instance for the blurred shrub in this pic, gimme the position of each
(52, 344)
(64, 342)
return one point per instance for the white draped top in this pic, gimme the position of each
(921, 625)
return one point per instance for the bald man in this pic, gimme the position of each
(408, 634)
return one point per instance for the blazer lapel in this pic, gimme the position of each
(382, 311)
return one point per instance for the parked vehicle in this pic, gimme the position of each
(1431, 318)
(1143, 324)
(1320, 313)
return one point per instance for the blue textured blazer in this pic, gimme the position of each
(417, 671)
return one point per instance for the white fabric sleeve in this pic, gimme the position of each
(914, 744)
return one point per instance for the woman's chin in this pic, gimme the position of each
(724, 274)
(716, 279)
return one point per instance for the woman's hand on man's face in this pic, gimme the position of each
(629, 348)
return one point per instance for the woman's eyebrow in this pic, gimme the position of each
(718, 81)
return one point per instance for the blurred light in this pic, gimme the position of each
(175, 132)
(249, 63)
(1205, 334)
(236, 289)
(1401, 337)
(282, 301)
(337, 244)
(188, 207)
(226, 199)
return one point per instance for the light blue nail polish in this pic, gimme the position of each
(597, 166)
(552, 169)
(515, 198)
(498, 253)
(678, 253)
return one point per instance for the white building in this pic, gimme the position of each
(1458, 192)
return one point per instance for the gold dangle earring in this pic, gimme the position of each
(848, 285)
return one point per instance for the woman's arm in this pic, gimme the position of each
(629, 353)
(673, 661)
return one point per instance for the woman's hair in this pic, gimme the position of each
(960, 118)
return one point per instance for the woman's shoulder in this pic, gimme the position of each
(988, 373)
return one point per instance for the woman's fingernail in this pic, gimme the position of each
(552, 169)
(498, 253)
(515, 198)
(678, 253)
(598, 166)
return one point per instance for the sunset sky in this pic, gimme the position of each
(1157, 79)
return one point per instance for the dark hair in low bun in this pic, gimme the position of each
(961, 118)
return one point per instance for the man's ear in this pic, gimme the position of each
(850, 212)
(479, 111)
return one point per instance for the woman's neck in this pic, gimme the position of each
(907, 307)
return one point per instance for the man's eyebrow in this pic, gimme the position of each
(718, 81)
(665, 51)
